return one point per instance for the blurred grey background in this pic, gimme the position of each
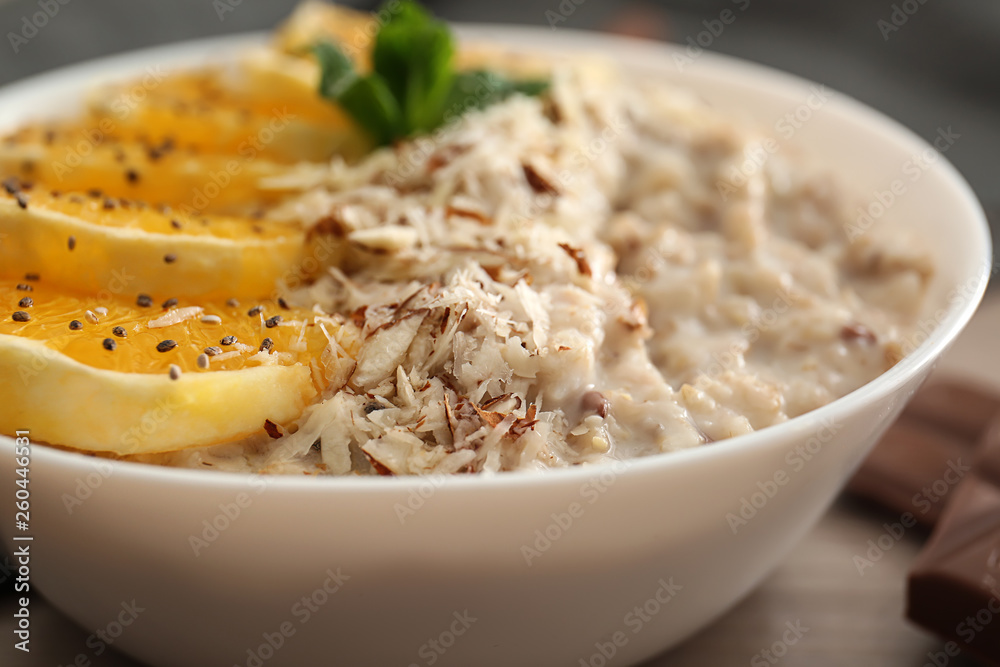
(927, 63)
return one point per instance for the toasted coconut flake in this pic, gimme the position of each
(175, 316)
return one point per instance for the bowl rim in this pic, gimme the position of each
(565, 40)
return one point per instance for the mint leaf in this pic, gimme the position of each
(370, 102)
(413, 88)
(478, 89)
(413, 52)
(367, 99)
(337, 70)
(529, 87)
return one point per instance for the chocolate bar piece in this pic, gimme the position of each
(920, 460)
(954, 585)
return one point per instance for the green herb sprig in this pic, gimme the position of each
(413, 87)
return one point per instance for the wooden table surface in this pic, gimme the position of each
(845, 618)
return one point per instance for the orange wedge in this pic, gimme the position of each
(100, 244)
(247, 109)
(116, 375)
(185, 179)
(312, 21)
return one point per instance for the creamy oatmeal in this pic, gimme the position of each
(585, 276)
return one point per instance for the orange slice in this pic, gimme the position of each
(185, 179)
(91, 373)
(240, 111)
(99, 244)
(312, 21)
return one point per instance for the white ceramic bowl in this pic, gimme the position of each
(625, 563)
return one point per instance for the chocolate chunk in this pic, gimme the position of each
(954, 586)
(920, 460)
(962, 409)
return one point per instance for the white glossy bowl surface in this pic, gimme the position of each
(624, 563)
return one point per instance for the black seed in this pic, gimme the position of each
(144, 301)
(32, 276)
(26, 302)
(109, 204)
(282, 303)
(21, 316)
(109, 344)
(21, 287)
(120, 332)
(71, 242)
(75, 325)
(272, 322)
(175, 224)
(228, 340)
(166, 345)
(132, 175)
(213, 350)
(266, 345)
(170, 258)
(12, 185)
(170, 303)
(95, 193)
(372, 407)
(255, 311)
(22, 199)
